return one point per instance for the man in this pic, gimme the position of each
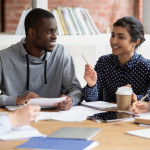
(37, 66)
(19, 117)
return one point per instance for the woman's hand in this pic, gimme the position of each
(90, 75)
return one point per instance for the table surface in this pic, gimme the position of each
(112, 136)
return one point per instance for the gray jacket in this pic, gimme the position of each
(51, 75)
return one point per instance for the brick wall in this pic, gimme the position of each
(103, 12)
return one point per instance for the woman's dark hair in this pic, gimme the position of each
(34, 18)
(134, 28)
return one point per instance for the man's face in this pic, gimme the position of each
(45, 37)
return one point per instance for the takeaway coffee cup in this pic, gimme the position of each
(123, 96)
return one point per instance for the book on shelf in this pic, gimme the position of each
(60, 28)
(82, 21)
(61, 17)
(78, 21)
(95, 30)
(75, 21)
(69, 21)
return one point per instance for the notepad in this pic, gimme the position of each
(75, 133)
(62, 144)
(143, 119)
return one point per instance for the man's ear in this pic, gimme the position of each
(31, 32)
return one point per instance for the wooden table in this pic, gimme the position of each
(111, 137)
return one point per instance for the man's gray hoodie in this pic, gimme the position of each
(50, 76)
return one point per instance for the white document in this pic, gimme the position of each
(144, 125)
(76, 114)
(46, 115)
(145, 133)
(46, 102)
(144, 114)
(100, 105)
(23, 132)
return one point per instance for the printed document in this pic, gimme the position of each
(46, 102)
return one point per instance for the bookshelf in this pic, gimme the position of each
(70, 21)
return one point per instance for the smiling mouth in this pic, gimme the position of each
(52, 44)
(115, 47)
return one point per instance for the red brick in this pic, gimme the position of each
(101, 11)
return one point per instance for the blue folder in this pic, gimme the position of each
(56, 143)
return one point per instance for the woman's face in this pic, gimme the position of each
(120, 42)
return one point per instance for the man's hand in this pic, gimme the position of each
(64, 104)
(25, 98)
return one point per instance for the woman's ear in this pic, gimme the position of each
(137, 42)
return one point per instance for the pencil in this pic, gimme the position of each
(85, 59)
(141, 100)
(24, 105)
(143, 97)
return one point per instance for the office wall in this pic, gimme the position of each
(102, 11)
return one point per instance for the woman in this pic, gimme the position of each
(123, 67)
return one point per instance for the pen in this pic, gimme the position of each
(85, 59)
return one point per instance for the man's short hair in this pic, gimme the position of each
(34, 18)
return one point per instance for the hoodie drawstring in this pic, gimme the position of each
(45, 69)
(28, 72)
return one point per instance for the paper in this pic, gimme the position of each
(55, 143)
(76, 114)
(144, 125)
(145, 133)
(46, 102)
(100, 105)
(144, 114)
(23, 132)
(46, 115)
